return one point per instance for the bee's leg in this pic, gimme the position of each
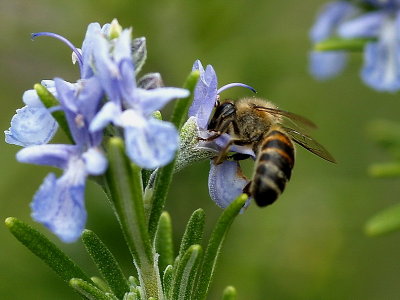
(210, 138)
(223, 153)
(246, 189)
(239, 156)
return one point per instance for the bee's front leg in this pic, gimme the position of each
(216, 135)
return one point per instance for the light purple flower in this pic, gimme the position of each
(33, 124)
(59, 202)
(226, 180)
(150, 143)
(381, 69)
(325, 65)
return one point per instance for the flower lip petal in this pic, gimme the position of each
(226, 182)
(381, 68)
(59, 205)
(65, 41)
(151, 146)
(327, 64)
(31, 126)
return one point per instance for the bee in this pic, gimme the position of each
(261, 126)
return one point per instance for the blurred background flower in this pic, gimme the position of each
(375, 24)
(308, 245)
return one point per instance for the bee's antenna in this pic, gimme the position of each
(229, 85)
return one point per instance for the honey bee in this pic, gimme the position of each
(261, 126)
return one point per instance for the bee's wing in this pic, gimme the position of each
(297, 119)
(309, 143)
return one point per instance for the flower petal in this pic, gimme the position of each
(80, 102)
(106, 69)
(155, 99)
(123, 46)
(327, 64)
(365, 26)
(153, 145)
(225, 182)
(31, 126)
(330, 16)
(92, 31)
(382, 59)
(49, 155)
(59, 205)
(205, 94)
(110, 112)
(95, 161)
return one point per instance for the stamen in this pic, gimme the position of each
(229, 85)
(65, 41)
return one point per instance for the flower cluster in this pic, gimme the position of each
(106, 98)
(376, 22)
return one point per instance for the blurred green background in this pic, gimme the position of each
(308, 245)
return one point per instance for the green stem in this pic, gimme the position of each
(126, 190)
(341, 44)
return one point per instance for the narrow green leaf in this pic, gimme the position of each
(229, 293)
(385, 170)
(125, 184)
(185, 276)
(89, 291)
(164, 242)
(336, 44)
(384, 222)
(214, 245)
(49, 101)
(164, 175)
(167, 281)
(193, 232)
(43, 248)
(106, 263)
(179, 114)
(101, 284)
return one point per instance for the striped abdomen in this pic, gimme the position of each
(273, 167)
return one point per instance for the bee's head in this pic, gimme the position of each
(224, 114)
